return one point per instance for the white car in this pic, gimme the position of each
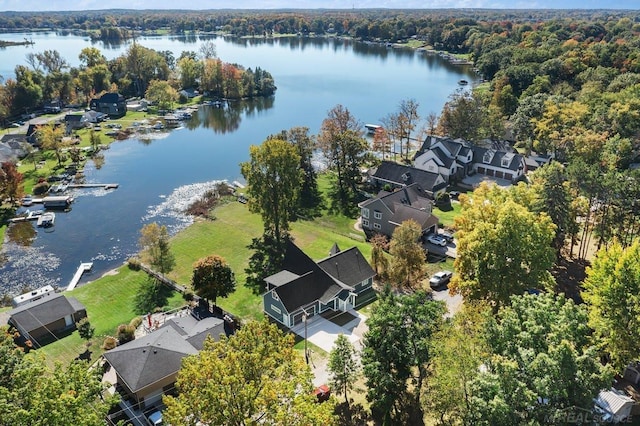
(440, 278)
(437, 240)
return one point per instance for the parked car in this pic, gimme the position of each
(323, 393)
(440, 278)
(454, 195)
(446, 235)
(437, 240)
(155, 418)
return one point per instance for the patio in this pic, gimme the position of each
(323, 332)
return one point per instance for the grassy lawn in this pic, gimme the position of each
(109, 303)
(446, 216)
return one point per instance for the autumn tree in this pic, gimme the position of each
(612, 296)
(50, 137)
(402, 123)
(379, 260)
(161, 93)
(256, 377)
(344, 147)
(408, 260)
(213, 278)
(343, 366)
(396, 353)
(503, 247)
(274, 180)
(154, 242)
(463, 116)
(10, 182)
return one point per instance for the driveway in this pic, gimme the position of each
(453, 302)
(323, 333)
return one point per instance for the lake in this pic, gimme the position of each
(158, 173)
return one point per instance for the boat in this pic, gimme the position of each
(46, 219)
(61, 201)
(371, 128)
(463, 82)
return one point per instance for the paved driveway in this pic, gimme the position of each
(323, 333)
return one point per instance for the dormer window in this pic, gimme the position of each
(506, 160)
(488, 156)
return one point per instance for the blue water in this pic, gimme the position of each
(312, 77)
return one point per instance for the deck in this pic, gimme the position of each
(84, 267)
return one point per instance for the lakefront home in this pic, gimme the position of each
(338, 283)
(112, 104)
(383, 213)
(394, 175)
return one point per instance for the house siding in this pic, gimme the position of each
(271, 307)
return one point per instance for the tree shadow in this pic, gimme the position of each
(84, 356)
(352, 415)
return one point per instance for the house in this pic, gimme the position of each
(148, 366)
(74, 122)
(534, 161)
(396, 175)
(112, 104)
(383, 213)
(43, 320)
(498, 163)
(137, 105)
(303, 287)
(32, 296)
(457, 159)
(189, 93)
(450, 158)
(94, 117)
(615, 404)
(13, 147)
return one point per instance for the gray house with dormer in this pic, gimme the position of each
(395, 176)
(338, 283)
(385, 212)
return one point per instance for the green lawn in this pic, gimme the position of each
(446, 216)
(109, 303)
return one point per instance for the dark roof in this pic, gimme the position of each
(496, 160)
(408, 195)
(335, 249)
(446, 161)
(306, 283)
(393, 172)
(349, 267)
(111, 98)
(72, 117)
(16, 137)
(150, 358)
(44, 311)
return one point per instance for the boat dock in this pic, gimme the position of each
(84, 267)
(94, 185)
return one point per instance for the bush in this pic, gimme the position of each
(135, 322)
(133, 263)
(126, 333)
(41, 188)
(188, 296)
(109, 343)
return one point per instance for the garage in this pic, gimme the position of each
(481, 170)
(499, 174)
(508, 176)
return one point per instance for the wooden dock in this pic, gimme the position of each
(94, 185)
(84, 267)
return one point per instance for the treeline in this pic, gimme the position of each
(50, 80)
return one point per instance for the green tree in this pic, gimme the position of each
(161, 93)
(459, 350)
(10, 357)
(463, 116)
(213, 278)
(503, 248)
(612, 294)
(541, 352)
(85, 330)
(151, 294)
(40, 396)
(343, 366)
(552, 187)
(342, 143)
(274, 180)
(396, 352)
(94, 140)
(408, 260)
(379, 260)
(256, 377)
(154, 241)
(266, 260)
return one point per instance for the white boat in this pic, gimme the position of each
(46, 219)
(371, 128)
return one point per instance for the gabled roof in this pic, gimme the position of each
(349, 267)
(445, 161)
(150, 358)
(495, 156)
(71, 118)
(12, 138)
(44, 311)
(303, 282)
(406, 175)
(408, 195)
(424, 218)
(196, 331)
(111, 98)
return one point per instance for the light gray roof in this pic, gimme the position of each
(281, 278)
(194, 331)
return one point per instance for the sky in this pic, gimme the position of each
(59, 5)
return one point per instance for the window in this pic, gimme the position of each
(275, 296)
(365, 213)
(365, 223)
(276, 309)
(377, 226)
(377, 215)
